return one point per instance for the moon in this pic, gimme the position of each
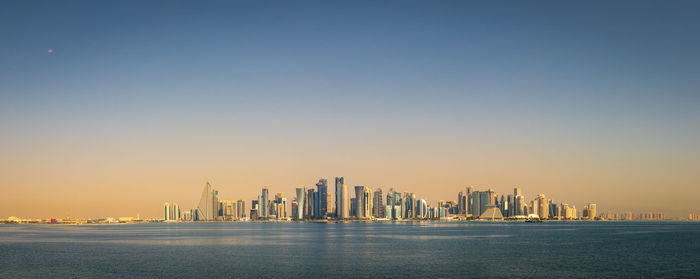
(50, 50)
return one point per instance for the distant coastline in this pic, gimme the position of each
(89, 222)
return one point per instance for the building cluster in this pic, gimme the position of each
(321, 202)
(210, 208)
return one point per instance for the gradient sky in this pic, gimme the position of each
(141, 102)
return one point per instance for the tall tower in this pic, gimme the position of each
(542, 206)
(468, 193)
(166, 214)
(310, 203)
(359, 192)
(592, 211)
(341, 198)
(301, 197)
(518, 201)
(215, 204)
(378, 204)
(325, 198)
(367, 202)
(264, 203)
(175, 216)
(205, 208)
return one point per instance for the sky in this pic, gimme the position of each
(111, 108)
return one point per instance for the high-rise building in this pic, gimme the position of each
(301, 197)
(378, 204)
(295, 209)
(518, 202)
(325, 201)
(205, 208)
(359, 190)
(216, 208)
(264, 203)
(393, 204)
(367, 202)
(461, 203)
(422, 209)
(476, 204)
(278, 207)
(409, 202)
(341, 198)
(554, 211)
(468, 193)
(592, 211)
(481, 200)
(504, 205)
(166, 214)
(310, 204)
(353, 207)
(540, 206)
(172, 212)
(398, 206)
(240, 209)
(363, 200)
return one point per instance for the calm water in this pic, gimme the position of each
(358, 250)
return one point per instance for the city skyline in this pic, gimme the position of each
(210, 195)
(369, 203)
(110, 108)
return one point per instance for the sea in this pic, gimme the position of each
(353, 250)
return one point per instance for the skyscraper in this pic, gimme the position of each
(542, 206)
(589, 211)
(593, 211)
(461, 203)
(341, 198)
(482, 200)
(359, 192)
(166, 214)
(279, 206)
(409, 203)
(468, 193)
(367, 202)
(216, 210)
(476, 203)
(264, 203)
(325, 199)
(240, 209)
(310, 203)
(519, 201)
(378, 204)
(301, 197)
(205, 208)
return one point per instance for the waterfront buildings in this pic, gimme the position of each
(540, 206)
(324, 202)
(279, 207)
(589, 211)
(205, 208)
(300, 202)
(309, 205)
(363, 202)
(469, 190)
(342, 200)
(378, 208)
(264, 203)
(318, 203)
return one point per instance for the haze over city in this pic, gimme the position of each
(586, 103)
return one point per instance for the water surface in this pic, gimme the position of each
(355, 250)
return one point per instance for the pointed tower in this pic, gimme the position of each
(206, 206)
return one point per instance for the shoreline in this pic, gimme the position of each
(85, 223)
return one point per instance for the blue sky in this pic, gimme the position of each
(611, 81)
